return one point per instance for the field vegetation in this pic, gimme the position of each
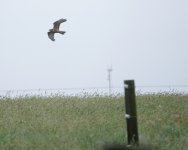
(86, 123)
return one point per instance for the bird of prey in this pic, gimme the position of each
(56, 29)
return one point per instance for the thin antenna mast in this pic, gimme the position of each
(109, 79)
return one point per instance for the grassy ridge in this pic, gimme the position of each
(77, 124)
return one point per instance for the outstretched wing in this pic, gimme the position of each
(51, 36)
(57, 24)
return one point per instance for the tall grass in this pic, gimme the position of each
(73, 123)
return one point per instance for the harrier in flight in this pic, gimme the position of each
(56, 29)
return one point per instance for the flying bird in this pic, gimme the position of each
(56, 29)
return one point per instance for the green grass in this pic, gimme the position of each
(72, 123)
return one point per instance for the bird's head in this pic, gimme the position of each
(64, 20)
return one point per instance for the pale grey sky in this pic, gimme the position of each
(145, 40)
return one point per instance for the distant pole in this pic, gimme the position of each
(131, 114)
(109, 79)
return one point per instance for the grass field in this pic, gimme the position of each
(73, 123)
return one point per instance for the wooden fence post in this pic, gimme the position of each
(131, 114)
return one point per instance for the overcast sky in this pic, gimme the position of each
(144, 40)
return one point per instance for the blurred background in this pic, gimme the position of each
(141, 40)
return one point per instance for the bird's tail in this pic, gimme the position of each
(62, 32)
